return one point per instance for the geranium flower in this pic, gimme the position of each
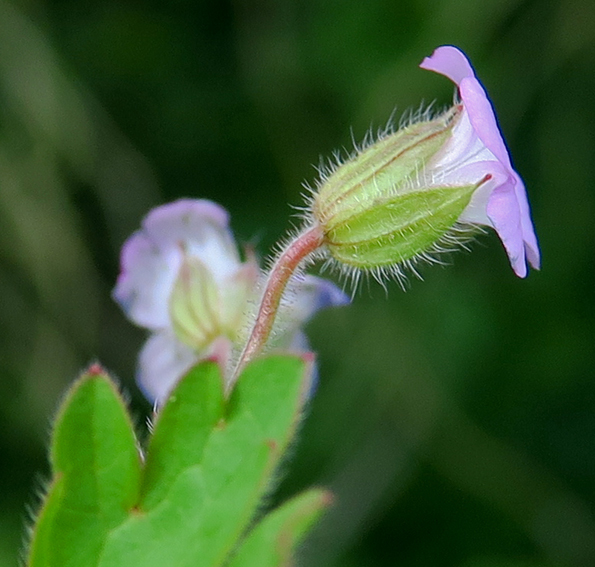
(182, 279)
(476, 149)
(413, 193)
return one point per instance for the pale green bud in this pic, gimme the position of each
(388, 205)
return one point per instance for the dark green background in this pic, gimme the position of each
(455, 422)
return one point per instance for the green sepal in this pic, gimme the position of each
(399, 228)
(96, 475)
(273, 541)
(383, 169)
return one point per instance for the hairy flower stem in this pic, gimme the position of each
(294, 253)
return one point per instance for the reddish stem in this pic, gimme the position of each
(284, 267)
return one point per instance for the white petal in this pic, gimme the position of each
(147, 275)
(151, 258)
(162, 362)
(463, 148)
(476, 211)
(201, 227)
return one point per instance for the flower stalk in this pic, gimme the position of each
(288, 261)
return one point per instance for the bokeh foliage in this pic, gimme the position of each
(455, 423)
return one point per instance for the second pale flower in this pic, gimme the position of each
(182, 279)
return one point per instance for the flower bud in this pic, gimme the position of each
(385, 207)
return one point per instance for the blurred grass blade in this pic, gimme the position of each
(273, 541)
(96, 475)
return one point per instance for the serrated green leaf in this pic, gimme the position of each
(210, 473)
(273, 541)
(96, 471)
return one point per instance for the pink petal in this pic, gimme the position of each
(450, 62)
(517, 233)
(507, 207)
(503, 209)
(483, 118)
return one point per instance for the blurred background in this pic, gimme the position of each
(455, 423)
